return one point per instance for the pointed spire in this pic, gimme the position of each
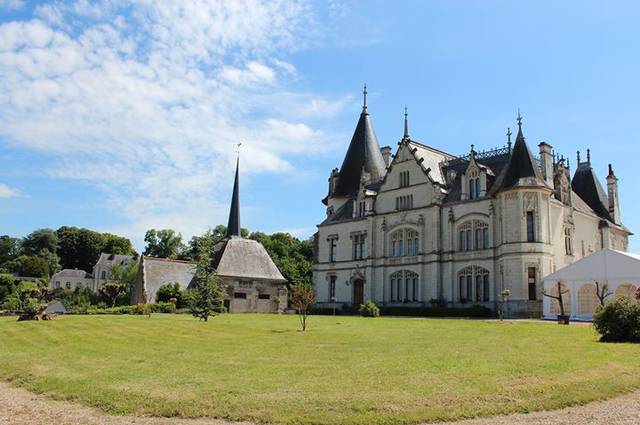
(364, 102)
(233, 226)
(406, 123)
(519, 121)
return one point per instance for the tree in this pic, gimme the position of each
(558, 298)
(293, 257)
(79, 248)
(165, 243)
(9, 248)
(7, 286)
(168, 292)
(125, 275)
(39, 240)
(302, 300)
(602, 292)
(52, 260)
(114, 244)
(207, 299)
(29, 267)
(111, 291)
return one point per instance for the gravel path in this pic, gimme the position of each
(21, 407)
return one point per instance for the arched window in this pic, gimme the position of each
(404, 242)
(403, 286)
(473, 235)
(467, 291)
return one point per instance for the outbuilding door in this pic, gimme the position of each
(358, 292)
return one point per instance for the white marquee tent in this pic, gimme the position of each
(620, 271)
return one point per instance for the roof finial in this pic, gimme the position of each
(364, 103)
(589, 156)
(509, 138)
(406, 123)
(578, 157)
(519, 120)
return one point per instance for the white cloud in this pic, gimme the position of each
(7, 192)
(12, 4)
(146, 99)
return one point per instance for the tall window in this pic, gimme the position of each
(474, 186)
(404, 179)
(531, 233)
(466, 243)
(405, 242)
(361, 209)
(470, 292)
(403, 286)
(358, 246)
(332, 287)
(531, 280)
(333, 245)
(568, 245)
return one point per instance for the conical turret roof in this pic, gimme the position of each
(586, 185)
(522, 169)
(363, 156)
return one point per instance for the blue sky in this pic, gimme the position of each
(125, 117)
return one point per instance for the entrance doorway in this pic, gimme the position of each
(358, 292)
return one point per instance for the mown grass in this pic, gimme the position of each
(344, 370)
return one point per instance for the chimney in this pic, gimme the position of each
(546, 162)
(612, 192)
(386, 154)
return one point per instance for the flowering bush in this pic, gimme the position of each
(369, 309)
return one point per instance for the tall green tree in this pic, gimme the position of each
(29, 266)
(125, 276)
(293, 257)
(9, 248)
(165, 243)
(207, 299)
(39, 240)
(81, 248)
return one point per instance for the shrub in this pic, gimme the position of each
(474, 311)
(142, 309)
(618, 321)
(369, 309)
(11, 303)
(163, 307)
(171, 291)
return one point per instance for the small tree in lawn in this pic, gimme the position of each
(302, 300)
(207, 299)
(602, 292)
(558, 298)
(111, 291)
(504, 297)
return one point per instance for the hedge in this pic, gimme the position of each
(473, 311)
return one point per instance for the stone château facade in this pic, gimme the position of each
(424, 226)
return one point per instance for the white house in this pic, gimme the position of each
(619, 271)
(424, 226)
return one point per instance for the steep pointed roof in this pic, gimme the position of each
(363, 156)
(233, 226)
(521, 170)
(586, 185)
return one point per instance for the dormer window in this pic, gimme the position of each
(474, 185)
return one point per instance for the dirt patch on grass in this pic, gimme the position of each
(19, 406)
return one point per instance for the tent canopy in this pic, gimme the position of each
(606, 264)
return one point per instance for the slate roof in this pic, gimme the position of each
(586, 185)
(521, 170)
(363, 155)
(107, 260)
(245, 259)
(73, 273)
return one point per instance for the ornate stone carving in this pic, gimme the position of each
(530, 201)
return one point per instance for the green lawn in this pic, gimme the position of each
(344, 370)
